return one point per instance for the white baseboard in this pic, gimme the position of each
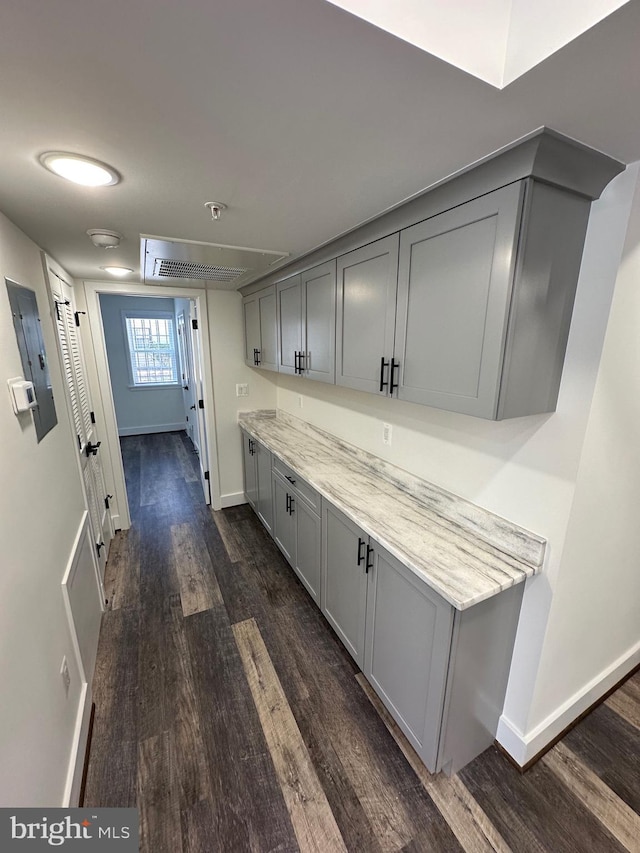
(523, 747)
(145, 430)
(232, 499)
(78, 749)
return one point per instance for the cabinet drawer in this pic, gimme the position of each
(299, 485)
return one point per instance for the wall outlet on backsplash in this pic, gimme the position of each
(386, 433)
(242, 390)
(300, 401)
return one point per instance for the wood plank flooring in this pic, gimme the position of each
(228, 712)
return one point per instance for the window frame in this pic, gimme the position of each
(150, 315)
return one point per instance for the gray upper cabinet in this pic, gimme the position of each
(454, 289)
(366, 309)
(472, 312)
(260, 329)
(344, 579)
(319, 323)
(289, 324)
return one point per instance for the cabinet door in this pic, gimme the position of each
(250, 474)
(251, 310)
(268, 356)
(344, 582)
(319, 322)
(284, 531)
(290, 323)
(408, 643)
(454, 288)
(365, 317)
(307, 554)
(264, 502)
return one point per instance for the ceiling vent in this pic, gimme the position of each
(187, 269)
(176, 262)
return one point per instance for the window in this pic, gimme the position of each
(152, 348)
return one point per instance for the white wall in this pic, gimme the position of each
(594, 622)
(41, 507)
(138, 410)
(523, 469)
(227, 359)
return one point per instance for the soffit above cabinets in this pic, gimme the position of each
(184, 262)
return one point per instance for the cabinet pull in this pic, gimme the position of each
(291, 503)
(361, 544)
(383, 364)
(290, 479)
(303, 367)
(256, 357)
(251, 448)
(369, 565)
(395, 365)
(288, 501)
(296, 368)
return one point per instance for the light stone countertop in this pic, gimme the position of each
(465, 553)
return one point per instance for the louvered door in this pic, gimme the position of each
(80, 410)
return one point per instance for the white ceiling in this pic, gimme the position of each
(304, 119)
(496, 40)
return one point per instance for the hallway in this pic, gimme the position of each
(230, 714)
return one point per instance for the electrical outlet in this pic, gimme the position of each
(386, 433)
(64, 674)
(300, 401)
(242, 390)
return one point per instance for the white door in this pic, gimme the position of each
(197, 371)
(186, 371)
(80, 409)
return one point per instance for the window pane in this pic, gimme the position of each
(152, 350)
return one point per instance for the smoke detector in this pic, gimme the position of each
(104, 239)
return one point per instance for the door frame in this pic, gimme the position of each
(100, 377)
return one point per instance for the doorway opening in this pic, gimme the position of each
(154, 380)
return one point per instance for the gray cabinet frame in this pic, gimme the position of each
(261, 329)
(365, 315)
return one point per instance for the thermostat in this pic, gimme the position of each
(23, 395)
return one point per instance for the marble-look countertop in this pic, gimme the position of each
(462, 551)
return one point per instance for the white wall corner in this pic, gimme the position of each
(523, 747)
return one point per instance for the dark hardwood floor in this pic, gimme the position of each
(228, 712)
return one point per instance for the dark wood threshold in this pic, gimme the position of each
(85, 769)
(522, 768)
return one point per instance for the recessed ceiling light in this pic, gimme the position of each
(118, 271)
(80, 170)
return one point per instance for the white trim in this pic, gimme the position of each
(232, 499)
(523, 747)
(71, 795)
(145, 430)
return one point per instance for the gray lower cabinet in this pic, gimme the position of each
(441, 673)
(344, 579)
(408, 639)
(296, 528)
(257, 479)
(250, 470)
(365, 317)
(260, 329)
